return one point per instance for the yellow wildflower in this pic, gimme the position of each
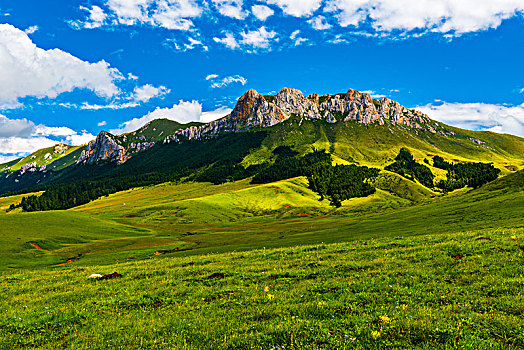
(384, 319)
(375, 334)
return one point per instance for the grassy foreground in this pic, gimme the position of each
(435, 291)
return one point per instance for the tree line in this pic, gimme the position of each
(464, 174)
(405, 165)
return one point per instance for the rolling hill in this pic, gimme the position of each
(294, 222)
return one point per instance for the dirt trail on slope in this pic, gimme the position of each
(37, 246)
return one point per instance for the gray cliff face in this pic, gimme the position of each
(255, 110)
(104, 148)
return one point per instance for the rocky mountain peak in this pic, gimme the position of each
(292, 101)
(104, 148)
(245, 104)
(255, 110)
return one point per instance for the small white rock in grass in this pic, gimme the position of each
(95, 275)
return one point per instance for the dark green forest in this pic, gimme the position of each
(406, 166)
(464, 174)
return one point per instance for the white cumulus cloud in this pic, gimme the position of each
(479, 116)
(7, 158)
(297, 40)
(262, 12)
(80, 139)
(229, 41)
(147, 92)
(31, 30)
(220, 83)
(257, 38)
(183, 112)
(96, 18)
(169, 14)
(231, 8)
(443, 16)
(297, 8)
(27, 70)
(191, 44)
(319, 23)
(22, 136)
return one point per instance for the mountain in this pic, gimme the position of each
(254, 110)
(42, 160)
(119, 148)
(353, 127)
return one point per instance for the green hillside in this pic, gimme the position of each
(377, 145)
(45, 156)
(349, 142)
(205, 218)
(242, 265)
(435, 291)
(154, 131)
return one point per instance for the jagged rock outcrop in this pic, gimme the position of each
(255, 110)
(104, 148)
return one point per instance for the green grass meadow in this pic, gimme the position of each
(242, 266)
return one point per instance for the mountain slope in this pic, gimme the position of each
(352, 126)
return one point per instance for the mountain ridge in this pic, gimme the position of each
(254, 110)
(352, 126)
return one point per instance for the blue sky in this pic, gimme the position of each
(69, 69)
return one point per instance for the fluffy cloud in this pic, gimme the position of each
(97, 18)
(257, 38)
(297, 8)
(80, 139)
(15, 127)
(102, 123)
(444, 16)
(31, 30)
(374, 94)
(479, 116)
(169, 14)
(147, 92)
(57, 131)
(297, 40)
(183, 112)
(7, 158)
(319, 23)
(191, 44)
(209, 116)
(141, 94)
(231, 8)
(26, 70)
(220, 83)
(229, 41)
(262, 12)
(22, 136)
(11, 145)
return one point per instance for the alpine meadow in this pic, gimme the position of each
(326, 217)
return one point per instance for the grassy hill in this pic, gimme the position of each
(201, 218)
(154, 131)
(438, 291)
(240, 265)
(349, 143)
(49, 156)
